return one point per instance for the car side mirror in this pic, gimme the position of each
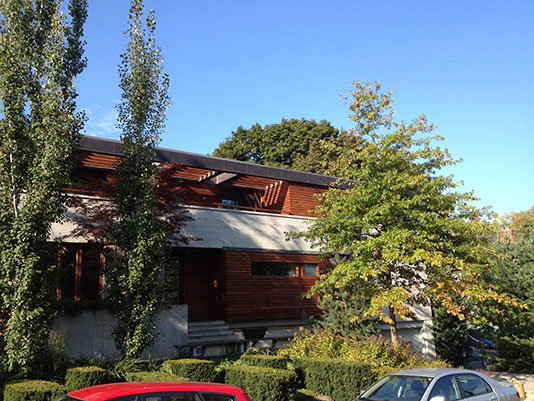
(438, 398)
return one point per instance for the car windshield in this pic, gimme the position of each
(397, 388)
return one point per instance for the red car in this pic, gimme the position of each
(158, 391)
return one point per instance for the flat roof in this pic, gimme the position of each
(114, 147)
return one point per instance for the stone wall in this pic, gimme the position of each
(88, 334)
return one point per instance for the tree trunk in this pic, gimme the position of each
(393, 326)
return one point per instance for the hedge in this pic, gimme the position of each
(154, 377)
(265, 361)
(197, 370)
(339, 379)
(85, 376)
(32, 390)
(262, 384)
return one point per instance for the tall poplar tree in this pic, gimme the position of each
(40, 55)
(139, 232)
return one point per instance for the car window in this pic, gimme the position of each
(397, 388)
(473, 385)
(218, 397)
(446, 387)
(171, 397)
(126, 398)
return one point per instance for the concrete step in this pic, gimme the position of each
(209, 332)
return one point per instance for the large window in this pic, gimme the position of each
(81, 272)
(274, 269)
(284, 269)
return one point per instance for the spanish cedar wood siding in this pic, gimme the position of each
(301, 199)
(276, 197)
(252, 181)
(201, 194)
(250, 298)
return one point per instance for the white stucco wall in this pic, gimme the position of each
(228, 228)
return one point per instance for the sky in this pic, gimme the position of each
(466, 65)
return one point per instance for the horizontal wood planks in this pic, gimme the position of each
(302, 201)
(251, 297)
(287, 197)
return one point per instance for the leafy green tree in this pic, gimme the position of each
(408, 234)
(512, 328)
(296, 144)
(522, 223)
(139, 232)
(40, 55)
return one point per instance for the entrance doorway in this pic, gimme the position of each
(202, 272)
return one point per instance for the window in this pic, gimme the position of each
(473, 385)
(397, 388)
(274, 269)
(171, 397)
(230, 202)
(81, 276)
(218, 397)
(309, 269)
(284, 269)
(446, 387)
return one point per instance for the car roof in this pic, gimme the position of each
(106, 391)
(429, 372)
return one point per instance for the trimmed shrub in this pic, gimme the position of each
(197, 370)
(32, 390)
(263, 384)
(340, 379)
(85, 376)
(265, 361)
(153, 377)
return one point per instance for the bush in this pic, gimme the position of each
(32, 390)
(153, 377)
(379, 352)
(340, 379)
(265, 361)
(263, 384)
(85, 376)
(195, 369)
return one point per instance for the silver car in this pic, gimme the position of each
(439, 384)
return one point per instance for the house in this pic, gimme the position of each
(242, 280)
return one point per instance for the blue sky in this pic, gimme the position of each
(467, 65)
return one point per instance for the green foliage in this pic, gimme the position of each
(198, 370)
(410, 235)
(340, 305)
(451, 337)
(132, 274)
(377, 352)
(340, 379)
(32, 390)
(263, 384)
(512, 328)
(40, 55)
(296, 144)
(153, 377)
(118, 370)
(522, 223)
(265, 361)
(85, 376)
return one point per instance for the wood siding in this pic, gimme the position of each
(250, 191)
(251, 298)
(301, 199)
